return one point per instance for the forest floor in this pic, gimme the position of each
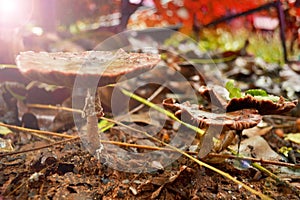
(42, 167)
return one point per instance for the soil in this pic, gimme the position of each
(66, 171)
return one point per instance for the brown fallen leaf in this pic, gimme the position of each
(171, 179)
(258, 147)
(257, 131)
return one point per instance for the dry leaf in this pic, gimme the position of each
(251, 132)
(258, 147)
(4, 130)
(5, 145)
(293, 137)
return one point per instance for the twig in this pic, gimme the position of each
(276, 178)
(270, 174)
(42, 106)
(159, 90)
(121, 144)
(51, 107)
(42, 137)
(162, 149)
(36, 131)
(7, 66)
(38, 148)
(270, 162)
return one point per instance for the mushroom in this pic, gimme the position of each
(264, 106)
(241, 113)
(212, 96)
(62, 68)
(214, 123)
(236, 120)
(83, 69)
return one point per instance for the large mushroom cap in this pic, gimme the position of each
(62, 68)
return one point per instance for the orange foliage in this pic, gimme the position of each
(202, 12)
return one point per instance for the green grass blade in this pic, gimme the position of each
(159, 109)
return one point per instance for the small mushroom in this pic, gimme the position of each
(214, 123)
(236, 120)
(100, 67)
(264, 106)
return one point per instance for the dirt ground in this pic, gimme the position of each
(65, 171)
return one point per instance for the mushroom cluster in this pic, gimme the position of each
(235, 115)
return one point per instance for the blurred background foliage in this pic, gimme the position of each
(68, 25)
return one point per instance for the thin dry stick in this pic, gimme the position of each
(159, 90)
(270, 162)
(276, 178)
(38, 148)
(121, 144)
(154, 148)
(7, 66)
(164, 149)
(51, 107)
(36, 131)
(42, 137)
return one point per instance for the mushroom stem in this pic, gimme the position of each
(239, 133)
(207, 142)
(91, 136)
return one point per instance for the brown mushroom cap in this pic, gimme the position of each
(62, 68)
(212, 96)
(237, 120)
(264, 106)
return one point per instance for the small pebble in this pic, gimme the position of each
(298, 124)
(133, 190)
(137, 182)
(279, 133)
(35, 176)
(126, 181)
